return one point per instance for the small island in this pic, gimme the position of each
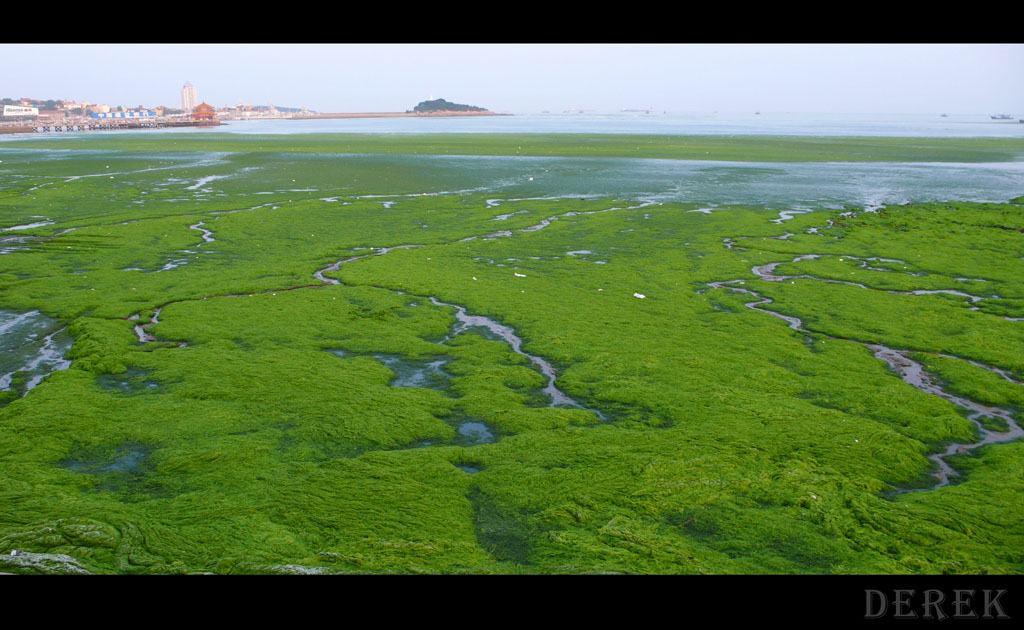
(441, 106)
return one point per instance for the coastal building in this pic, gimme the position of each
(188, 97)
(204, 112)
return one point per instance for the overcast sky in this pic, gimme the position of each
(529, 78)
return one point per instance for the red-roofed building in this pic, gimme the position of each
(204, 112)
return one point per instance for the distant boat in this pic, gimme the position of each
(945, 115)
(1002, 117)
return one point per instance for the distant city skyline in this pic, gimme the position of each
(530, 78)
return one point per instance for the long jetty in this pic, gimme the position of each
(107, 124)
(437, 114)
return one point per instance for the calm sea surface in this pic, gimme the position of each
(659, 123)
(803, 124)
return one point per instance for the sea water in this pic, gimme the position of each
(770, 184)
(660, 122)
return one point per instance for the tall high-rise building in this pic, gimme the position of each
(188, 98)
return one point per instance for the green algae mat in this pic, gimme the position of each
(222, 356)
(694, 147)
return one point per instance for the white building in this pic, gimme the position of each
(188, 98)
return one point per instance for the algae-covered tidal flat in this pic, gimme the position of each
(543, 354)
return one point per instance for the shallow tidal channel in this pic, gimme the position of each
(32, 346)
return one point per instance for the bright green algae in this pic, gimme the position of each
(273, 441)
(696, 147)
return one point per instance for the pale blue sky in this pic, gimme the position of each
(529, 78)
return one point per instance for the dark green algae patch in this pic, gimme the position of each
(734, 444)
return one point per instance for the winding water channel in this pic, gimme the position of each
(910, 371)
(464, 320)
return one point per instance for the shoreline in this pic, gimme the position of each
(120, 125)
